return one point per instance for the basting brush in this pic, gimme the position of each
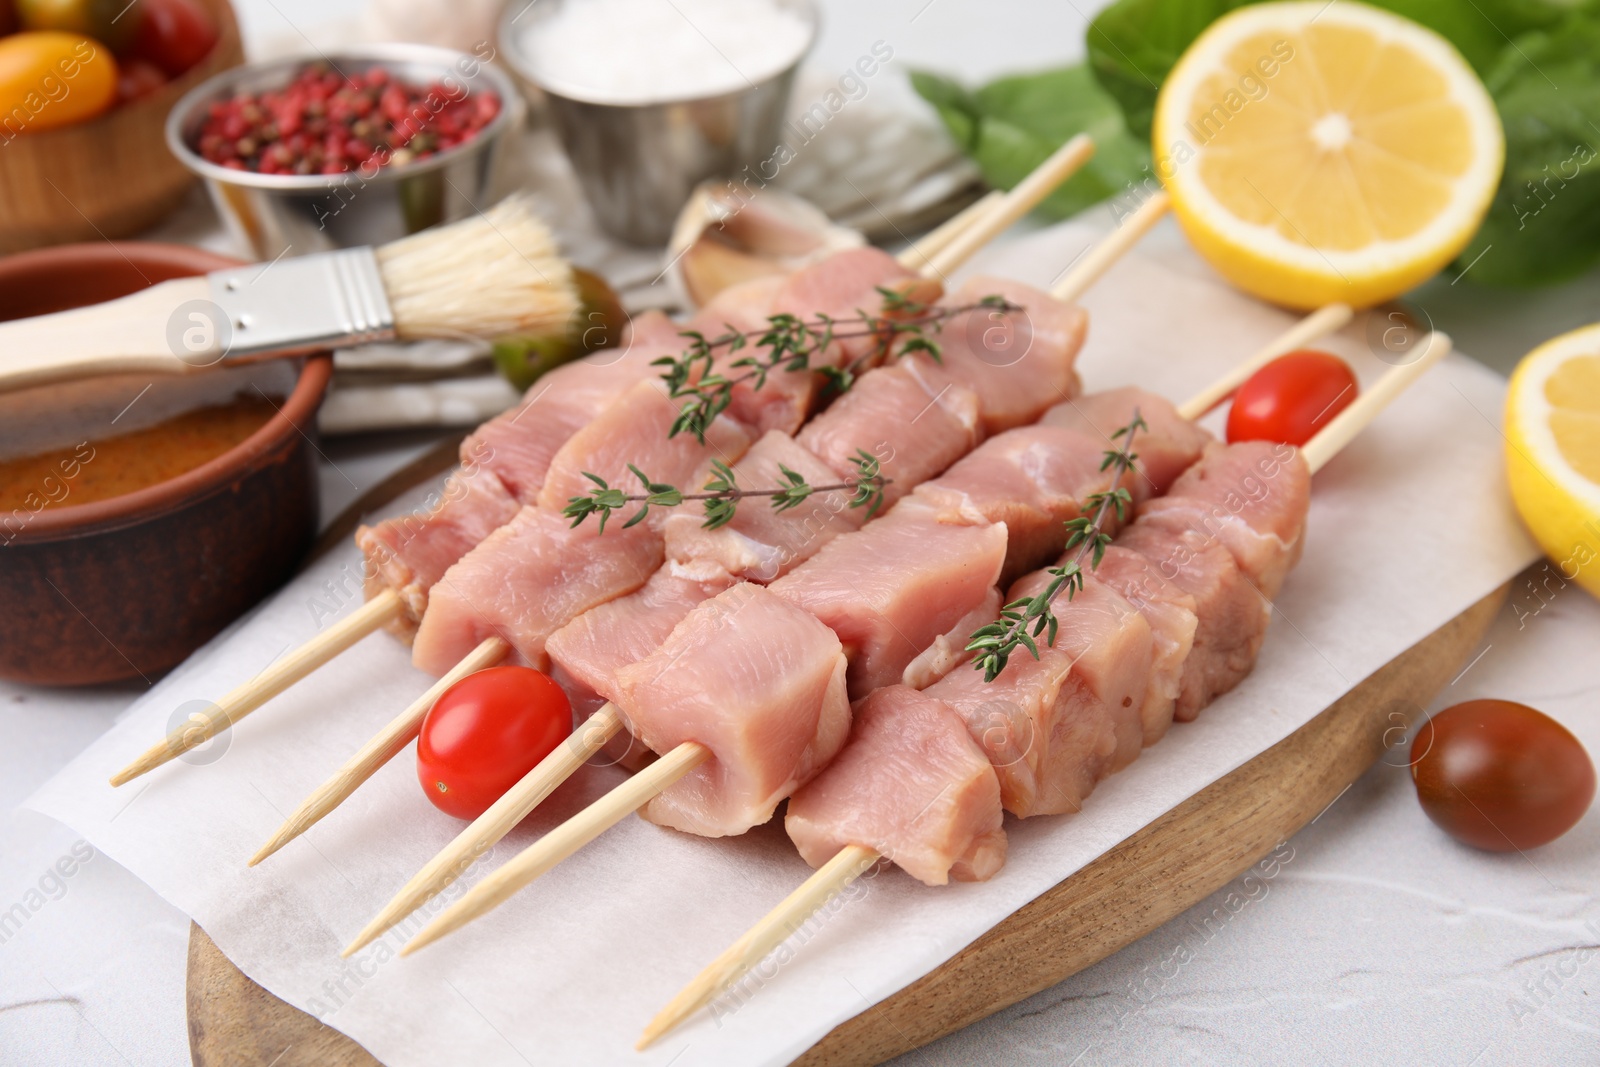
(488, 276)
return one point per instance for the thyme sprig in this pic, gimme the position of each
(1022, 621)
(902, 327)
(722, 493)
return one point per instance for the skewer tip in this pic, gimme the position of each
(142, 766)
(422, 940)
(667, 1019)
(370, 933)
(445, 922)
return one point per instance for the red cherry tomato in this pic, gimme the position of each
(138, 77)
(1500, 776)
(1291, 398)
(173, 34)
(484, 733)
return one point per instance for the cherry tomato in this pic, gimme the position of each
(8, 17)
(50, 79)
(1500, 776)
(485, 732)
(174, 34)
(1291, 398)
(137, 78)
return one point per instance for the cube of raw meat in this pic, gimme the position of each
(761, 543)
(1171, 614)
(1111, 647)
(1231, 616)
(784, 399)
(1167, 449)
(914, 430)
(1018, 362)
(1252, 497)
(528, 579)
(586, 653)
(519, 444)
(409, 553)
(1054, 726)
(1032, 479)
(593, 647)
(844, 286)
(949, 650)
(636, 430)
(910, 783)
(891, 587)
(755, 680)
(1046, 736)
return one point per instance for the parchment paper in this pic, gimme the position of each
(1408, 527)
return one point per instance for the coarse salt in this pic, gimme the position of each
(654, 51)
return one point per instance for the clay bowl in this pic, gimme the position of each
(111, 176)
(127, 587)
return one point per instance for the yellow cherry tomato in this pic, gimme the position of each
(50, 79)
(111, 21)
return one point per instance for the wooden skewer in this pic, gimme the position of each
(488, 828)
(1342, 429)
(919, 255)
(827, 881)
(388, 742)
(1023, 198)
(269, 683)
(1100, 258)
(1313, 327)
(563, 841)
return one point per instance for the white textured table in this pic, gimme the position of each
(1375, 938)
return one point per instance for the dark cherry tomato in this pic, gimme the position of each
(137, 78)
(1291, 398)
(173, 34)
(1501, 776)
(487, 731)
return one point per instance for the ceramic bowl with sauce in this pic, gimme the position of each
(164, 507)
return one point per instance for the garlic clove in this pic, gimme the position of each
(725, 235)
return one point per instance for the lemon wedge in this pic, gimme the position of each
(1320, 152)
(1553, 451)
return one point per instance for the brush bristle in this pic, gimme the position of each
(495, 274)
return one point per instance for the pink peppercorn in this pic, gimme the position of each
(323, 123)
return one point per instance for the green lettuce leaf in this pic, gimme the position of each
(1010, 126)
(1544, 223)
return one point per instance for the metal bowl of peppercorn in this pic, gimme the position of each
(360, 147)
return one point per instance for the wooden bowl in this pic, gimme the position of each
(111, 176)
(127, 587)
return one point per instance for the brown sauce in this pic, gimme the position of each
(114, 466)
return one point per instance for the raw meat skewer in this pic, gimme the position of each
(605, 812)
(850, 861)
(387, 606)
(606, 722)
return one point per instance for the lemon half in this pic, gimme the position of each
(1318, 151)
(1553, 451)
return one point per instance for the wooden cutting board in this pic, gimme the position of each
(1158, 873)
